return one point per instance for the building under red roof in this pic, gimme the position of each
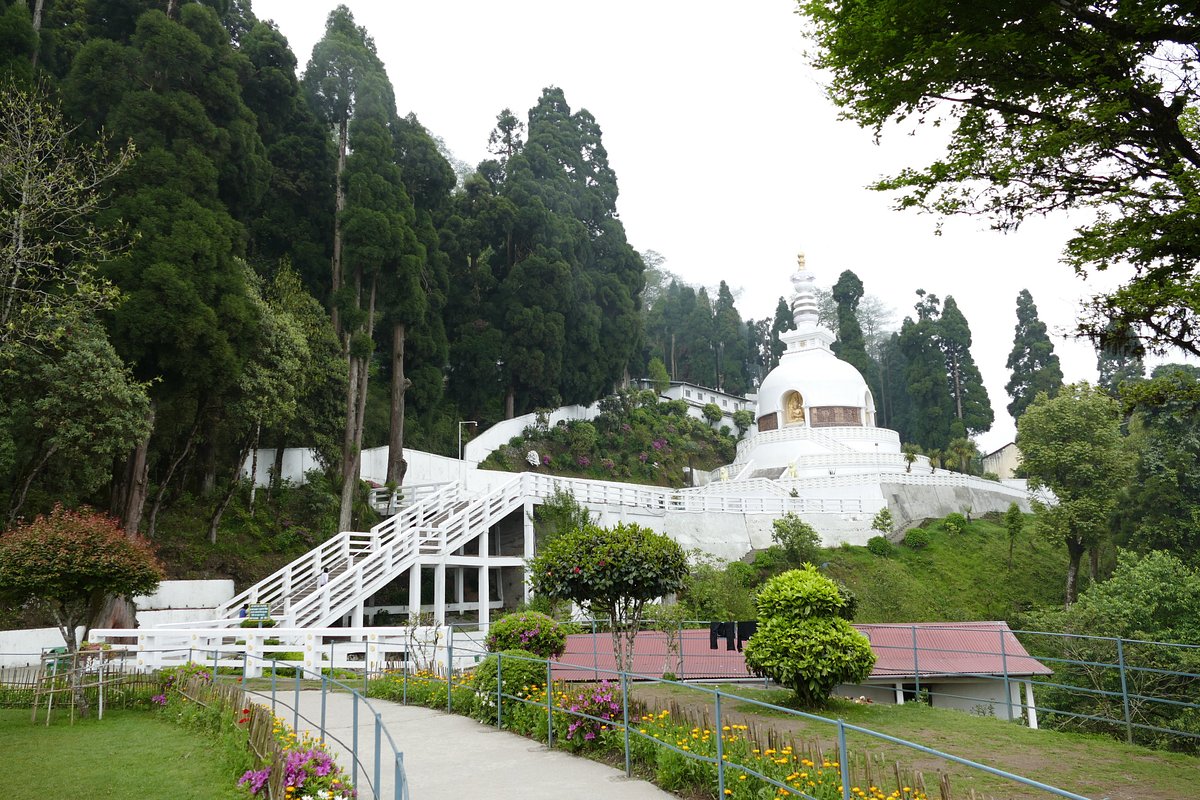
(950, 664)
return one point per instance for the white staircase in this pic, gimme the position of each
(441, 521)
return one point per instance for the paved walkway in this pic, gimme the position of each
(450, 756)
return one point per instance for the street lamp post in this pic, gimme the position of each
(460, 424)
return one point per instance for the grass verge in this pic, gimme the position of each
(1094, 766)
(129, 755)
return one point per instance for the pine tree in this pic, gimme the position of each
(1119, 356)
(850, 345)
(931, 409)
(783, 322)
(972, 408)
(1035, 367)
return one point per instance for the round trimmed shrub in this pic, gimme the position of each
(955, 523)
(803, 642)
(529, 631)
(917, 538)
(880, 546)
(522, 675)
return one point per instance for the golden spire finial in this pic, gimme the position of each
(800, 262)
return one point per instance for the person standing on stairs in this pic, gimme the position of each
(323, 578)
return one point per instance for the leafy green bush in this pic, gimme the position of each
(883, 521)
(803, 642)
(917, 538)
(800, 541)
(529, 631)
(955, 523)
(880, 546)
(712, 412)
(521, 675)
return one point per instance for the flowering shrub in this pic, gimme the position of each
(529, 631)
(309, 771)
(521, 675)
(602, 701)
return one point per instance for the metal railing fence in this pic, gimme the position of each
(1145, 692)
(727, 770)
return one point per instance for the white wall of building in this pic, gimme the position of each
(422, 467)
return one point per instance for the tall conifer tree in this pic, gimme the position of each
(1035, 367)
(972, 409)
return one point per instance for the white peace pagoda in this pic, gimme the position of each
(816, 415)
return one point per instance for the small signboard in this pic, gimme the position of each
(258, 611)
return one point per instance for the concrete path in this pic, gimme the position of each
(450, 756)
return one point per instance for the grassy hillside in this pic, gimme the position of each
(956, 577)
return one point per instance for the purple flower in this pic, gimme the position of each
(583, 461)
(257, 779)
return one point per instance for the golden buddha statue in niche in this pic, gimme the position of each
(795, 409)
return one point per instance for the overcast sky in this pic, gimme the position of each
(729, 157)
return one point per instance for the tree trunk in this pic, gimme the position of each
(510, 403)
(957, 387)
(349, 474)
(152, 527)
(1094, 562)
(254, 464)
(277, 468)
(339, 205)
(234, 481)
(1075, 550)
(19, 501)
(400, 384)
(137, 481)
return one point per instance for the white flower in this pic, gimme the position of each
(533, 458)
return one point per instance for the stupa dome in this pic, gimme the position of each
(811, 387)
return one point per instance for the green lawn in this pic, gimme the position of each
(1093, 766)
(957, 577)
(129, 755)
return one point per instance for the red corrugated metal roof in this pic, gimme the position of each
(942, 649)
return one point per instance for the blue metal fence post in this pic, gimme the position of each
(499, 690)
(843, 758)
(354, 739)
(296, 703)
(245, 658)
(720, 745)
(324, 691)
(449, 668)
(401, 787)
(274, 662)
(916, 664)
(214, 670)
(550, 707)
(378, 748)
(625, 712)
(595, 654)
(1124, 692)
(1008, 703)
(366, 669)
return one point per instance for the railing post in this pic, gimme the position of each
(1124, 692)
(378, 748)
(843, 757)
(499, 690)
(274, 673)
(625, 712)
(401, 791)
(549, 707)
(720, 744)
(245, 659)
(449, 668)
(214, 668)
(354, 739)
(916, 665)
(595, 654)
(324, 692)
(296, 702)
(1007, 686)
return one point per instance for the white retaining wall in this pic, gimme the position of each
(499, 434)
(422, 467)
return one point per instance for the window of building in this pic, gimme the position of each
(687, 392)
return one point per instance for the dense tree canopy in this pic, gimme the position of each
(1071, 444)
(1051, 106)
